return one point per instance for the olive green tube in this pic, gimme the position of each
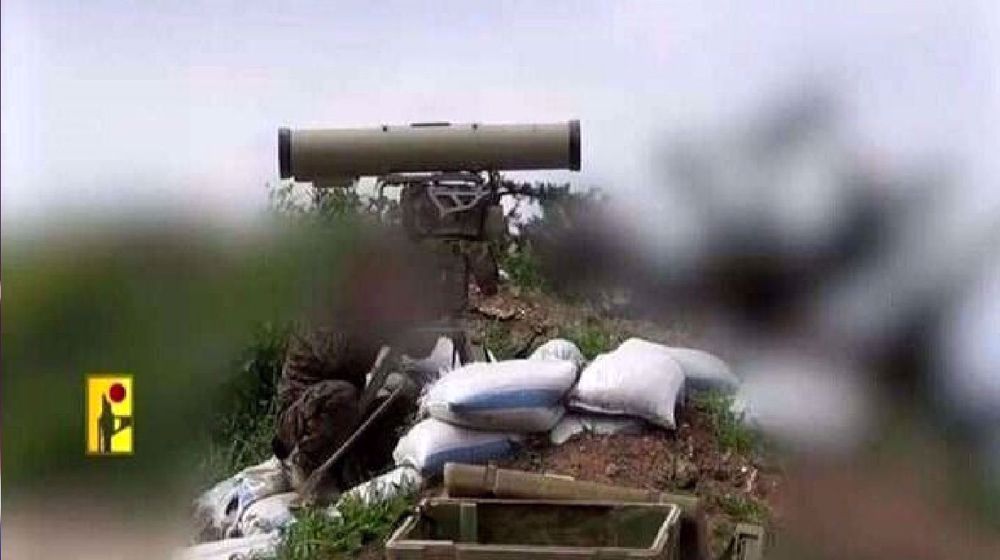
(477, 481)
(334, 154)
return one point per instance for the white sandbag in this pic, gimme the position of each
(508, 396)
(704, 371)
(267, 514)
(432, 443)
(217, 511)
(263, 545)
(576, 423)
(442, 359)
(559, 349)
(639, 378)
(402, 480)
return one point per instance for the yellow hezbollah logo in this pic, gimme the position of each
(109, 414)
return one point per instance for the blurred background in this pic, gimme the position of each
(816, 183)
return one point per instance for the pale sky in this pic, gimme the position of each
(112, 106)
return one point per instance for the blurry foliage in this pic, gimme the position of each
(522, 267)
(243, 420)
(170, 307)
(244, 417)
(173, 304)
(536, 258)
(293, 200)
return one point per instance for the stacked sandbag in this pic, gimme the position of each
(639, 378)
(218, 511)
(401, 481)
(559, 349)
(509, 396)
(442, 359)
(432, 443)
(267, 515)
(262, 545)
(704, 371)
(575, 423)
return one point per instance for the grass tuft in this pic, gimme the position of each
(318, 535)
(730, 430)
(243, 428)
(497, 337)
(594, 337)
(524, 268)
(743, 508)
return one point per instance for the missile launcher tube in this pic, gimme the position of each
(328, 155)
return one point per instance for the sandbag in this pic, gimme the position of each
(639, 378)
(217, 511)
(508, 396)
(400, 480)
(267, 514)
(443, 358)
(432, 443)
(704, 371)
(576, 423)
(559, 349)
(262, 545)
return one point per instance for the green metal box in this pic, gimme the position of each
(470, 529)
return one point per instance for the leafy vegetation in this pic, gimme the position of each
(730, 430)
(550, 244)
(742, 508)
(317, 535)
(497, 337)
(594, 336)
(294, 201)
(244, 423)
(523, 268)
(243, 428)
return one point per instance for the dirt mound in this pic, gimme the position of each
(708, 454)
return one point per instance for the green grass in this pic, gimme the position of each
(242, 429)
(318, 536)
(742, 508)
(498, 339)
(594, 337)
(729, 428)
(523, 268)
(249, 445)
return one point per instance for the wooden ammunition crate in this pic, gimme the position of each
(484, 529)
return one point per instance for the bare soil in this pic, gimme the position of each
(735, 486)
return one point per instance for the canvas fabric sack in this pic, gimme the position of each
(639, 378)
(509, 396)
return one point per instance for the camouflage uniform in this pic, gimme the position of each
(321, 381)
